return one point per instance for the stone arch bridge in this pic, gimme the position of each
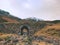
(19, 28)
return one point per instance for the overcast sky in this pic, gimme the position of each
(43, 9)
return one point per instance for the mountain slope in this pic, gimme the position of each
(7, 17)
(50, 30)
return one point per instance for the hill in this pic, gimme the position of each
(7, 17)
(50, 30)
(38, 27)
(40, 31)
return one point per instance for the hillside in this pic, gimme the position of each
(50, 30)
(7, 17)
(38, 26)
(40, 32)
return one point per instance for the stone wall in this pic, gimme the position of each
(16, 27)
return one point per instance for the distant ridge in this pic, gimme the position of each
(7, 17)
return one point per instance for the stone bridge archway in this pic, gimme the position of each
(24, 29)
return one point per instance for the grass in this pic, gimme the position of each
(50, 30)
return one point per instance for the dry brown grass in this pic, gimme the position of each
(6, 35)
(43, 31)
(40, 43)
(9, 20)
